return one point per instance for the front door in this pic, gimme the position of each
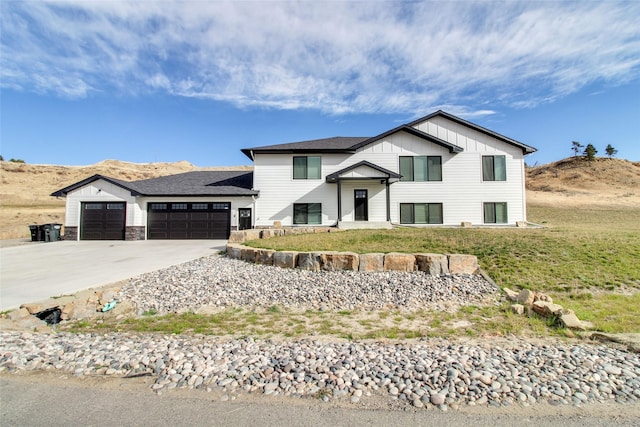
(361, 205)
(244, 222)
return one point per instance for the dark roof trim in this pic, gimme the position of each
(526, 149)
(336, 175)
(336, 144)
(122, 184)
(415, 132)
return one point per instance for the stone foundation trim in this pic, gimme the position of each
(70, 233)
(135, 232)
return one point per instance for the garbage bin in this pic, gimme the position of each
(36, 232)
(51, 232)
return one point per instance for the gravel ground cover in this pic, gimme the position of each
(431, 372)
(222, 282)
(423, 373)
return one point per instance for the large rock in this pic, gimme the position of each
(463, 264)
(248, 254)
(526, 297)
(571, 321)
(333, 261)
(371, 262)
(511, 295)
(32, 308)
(253, 234)
(309, 261)
(432, 263)
(264, 256)
(547, 309)
(108, 295)
(399, 262)
(285, 259)
(234, 251)
(236, 237)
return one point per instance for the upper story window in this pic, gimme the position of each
(421, 168)
(494, 168)
(306, 167)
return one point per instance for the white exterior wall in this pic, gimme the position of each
(98, 191)
(461, 191)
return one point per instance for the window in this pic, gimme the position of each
(494, 168)
(495, 213)
(93, 206)
(221, 206)
(199, 206)
(178, 206)
(421, 213)
(307, 213)
(115, 206)
(159, 206)
(307, 167)
(421, 168)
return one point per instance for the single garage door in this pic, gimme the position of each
(102, 221)
(189, 220)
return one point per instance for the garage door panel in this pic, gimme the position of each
(102, 221)
(189, 220)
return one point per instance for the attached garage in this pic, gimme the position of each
(103, 221)
(189, 220)
(191, 205)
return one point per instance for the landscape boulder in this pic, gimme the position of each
(371, 262)
(511, 295)
(399, 262)
(285, 259)
(547, 309)
(526, 297)
(311, 261)
(432, 263)
(462, 264)
(333, 261)
(264, 256)
(236, 237)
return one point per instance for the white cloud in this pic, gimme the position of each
(336, 57)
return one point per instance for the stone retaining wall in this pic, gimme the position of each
(350, 261)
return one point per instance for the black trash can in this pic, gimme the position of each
(51, 232)
(36, 232)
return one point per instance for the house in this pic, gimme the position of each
(437, 170)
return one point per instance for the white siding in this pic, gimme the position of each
(98, 191)
(462, 190)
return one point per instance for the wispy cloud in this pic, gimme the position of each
(336, 57)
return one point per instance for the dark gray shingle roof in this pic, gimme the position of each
(198, 183)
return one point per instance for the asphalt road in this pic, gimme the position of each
(36, 271)
(45, 399)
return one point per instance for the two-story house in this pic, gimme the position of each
(437, 170)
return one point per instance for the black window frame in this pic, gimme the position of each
(305, 171)
(428, 169)
(493, 217)
(490, 168)
(429, 206)
(304, 209)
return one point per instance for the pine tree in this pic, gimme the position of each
(590, 152)
(576, 147)
(611, 151)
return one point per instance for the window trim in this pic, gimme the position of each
(306, 167)
(427, 172)
(490, 172)
(495, 215)
(428, 216)
(307, 206)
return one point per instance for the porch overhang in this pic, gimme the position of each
(363, 170)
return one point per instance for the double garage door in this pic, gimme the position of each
(189, 220)
(107, 220)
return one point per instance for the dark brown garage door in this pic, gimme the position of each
(189, 220)
(102, 221)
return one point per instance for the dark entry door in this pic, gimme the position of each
(103, 221)
(244, 221)
(361, 205)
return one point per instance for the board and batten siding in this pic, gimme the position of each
(462, 190)
(98, 191)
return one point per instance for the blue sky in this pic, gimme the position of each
(167, 81)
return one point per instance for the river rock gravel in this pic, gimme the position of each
(222, 282)
(424, 373)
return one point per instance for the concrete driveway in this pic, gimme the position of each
(37, 271)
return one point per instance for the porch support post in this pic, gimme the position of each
(339, 200)
(386, 182)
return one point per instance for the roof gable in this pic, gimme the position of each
(122, 184)
(526, 149)
(383, 173)
(415, 132)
